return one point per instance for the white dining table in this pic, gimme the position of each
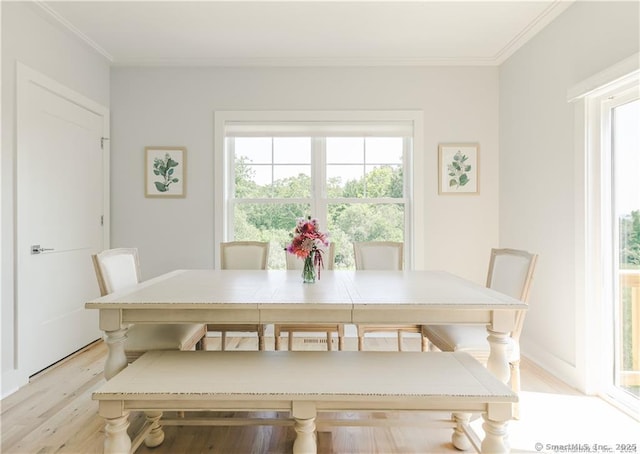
(274, 296)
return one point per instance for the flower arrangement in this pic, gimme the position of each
(306, 241)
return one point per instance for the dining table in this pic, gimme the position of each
(277, 296)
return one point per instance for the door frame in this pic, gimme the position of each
(592, 343)
(25, 77)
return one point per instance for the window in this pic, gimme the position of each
(609, 140)
(620, 120)
(354, 175)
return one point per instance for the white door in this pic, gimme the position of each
(60, 208)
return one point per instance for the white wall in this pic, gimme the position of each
(175, 107)
(30, 37)
(540, 175)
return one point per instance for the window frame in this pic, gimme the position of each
(592, 204)
(413, 180)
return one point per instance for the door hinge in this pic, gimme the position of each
(102, 220)
(102, 139)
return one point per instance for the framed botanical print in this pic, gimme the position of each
(458, 168)
(165, 172)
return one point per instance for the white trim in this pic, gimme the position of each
(318, 129)
(543, 357)
(309, 62)
(417, 197)
(590, 200)
(622, 72)
(73, 29)
(538, 23)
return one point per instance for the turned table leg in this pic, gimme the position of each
(156, 434)
(459, 438)
(116, 439)
(498, 362)
(495, 438)
(116, 358)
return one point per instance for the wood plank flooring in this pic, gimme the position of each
(55, 414)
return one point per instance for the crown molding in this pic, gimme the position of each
(305, 62)
(543, 19)
(74, 30)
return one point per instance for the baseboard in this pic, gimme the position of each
(12, 381)
(554, 365)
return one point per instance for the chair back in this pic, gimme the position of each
(244, 255)
(116, 269)
(296, 263)
(511, 273)
(378, 255)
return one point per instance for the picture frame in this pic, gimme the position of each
(458, 168)
(165, 172)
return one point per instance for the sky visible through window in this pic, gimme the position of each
(626, 133)
(291, 156)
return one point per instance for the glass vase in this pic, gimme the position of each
(308, 270)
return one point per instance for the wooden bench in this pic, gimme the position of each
(304, 383)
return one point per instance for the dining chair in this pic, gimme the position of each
(119, 268)
(241, 255)
(510, 272)
(383, 255)
(295, 263)
(244, 255)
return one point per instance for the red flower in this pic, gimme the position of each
(307, 238)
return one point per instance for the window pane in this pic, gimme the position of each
(626, 190)
(268, 222)
(259, 175)
(384, 150)
(345, 180)
(345, 150)
(362, 222)
(292, 150)
(292, 181)
(255, 150)
(384, 181)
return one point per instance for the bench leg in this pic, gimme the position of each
(156, 434)
(459, 438)
(495, 438)
(305, 442)
(304, 415)
(116, 439)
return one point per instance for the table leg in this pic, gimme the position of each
(116, 439)
(495, 438)
(116, 359)
(498, 362)
(156, 435)
(459, 438)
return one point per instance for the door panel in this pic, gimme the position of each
(60, 198)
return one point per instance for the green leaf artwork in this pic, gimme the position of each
(165, 168)
(458, 170)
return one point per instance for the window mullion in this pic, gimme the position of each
(231, 189)
(407, 199)
(319, 172)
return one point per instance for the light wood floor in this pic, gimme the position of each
(55, 414)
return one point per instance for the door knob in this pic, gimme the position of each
(36, 249)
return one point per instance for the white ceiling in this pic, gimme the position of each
(305, 33)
